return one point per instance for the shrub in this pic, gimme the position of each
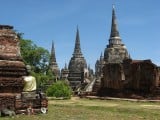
(59, 89)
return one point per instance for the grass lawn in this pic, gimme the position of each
(85, 109)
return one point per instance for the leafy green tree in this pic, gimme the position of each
(35, 56)
(59, 89)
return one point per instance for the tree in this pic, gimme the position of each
(35, 56)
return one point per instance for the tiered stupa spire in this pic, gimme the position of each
(114, 35)
(116, 51)
(53, 56)
(77, 64)
(77, 48)
(53, 64)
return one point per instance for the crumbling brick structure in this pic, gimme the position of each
(12, 67)
(139, 77)
(12, 70)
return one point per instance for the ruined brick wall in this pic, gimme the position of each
(113, 76)
(7, 100)
(140, 76)
(157, 84)
(11, 73)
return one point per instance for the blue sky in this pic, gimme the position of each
(45, 20)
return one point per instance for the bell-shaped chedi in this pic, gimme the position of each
(116, 51)
(77, 64)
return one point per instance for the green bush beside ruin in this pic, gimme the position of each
(59, 89)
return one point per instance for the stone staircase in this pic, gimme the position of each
(89, 87)
(96, 86)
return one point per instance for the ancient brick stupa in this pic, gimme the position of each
(124, 77)
(116, 51)
(12, 70)
(76, 65)
(12, 67)
(53, 64)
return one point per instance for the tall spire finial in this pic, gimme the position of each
(53, 64)
(116, 51)
(77, 48)
(114, 35)
(53, 56)
(101, 57)
(113, 6)
(114, 27)
(77, 26)
(101, 54)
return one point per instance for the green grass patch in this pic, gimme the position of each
(84, 109)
